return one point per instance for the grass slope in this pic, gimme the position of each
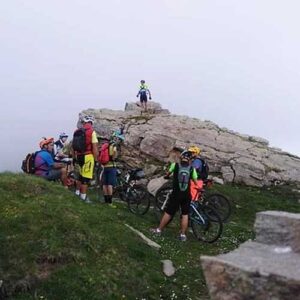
(53, 246)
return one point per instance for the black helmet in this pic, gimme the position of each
(185, 156)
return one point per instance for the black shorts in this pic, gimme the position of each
(177, 200)
(143, 98)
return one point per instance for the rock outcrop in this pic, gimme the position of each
(152, 139)
(268, 268)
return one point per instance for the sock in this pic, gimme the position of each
(77, 192)
(109, 199)
(82, 196)
(106, 198)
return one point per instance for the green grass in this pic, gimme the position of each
(53, 246)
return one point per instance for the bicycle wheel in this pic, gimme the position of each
(220, 204)
(138, 199)
(205, 228)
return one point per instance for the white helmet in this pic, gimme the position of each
(62, 135)
(88, 119)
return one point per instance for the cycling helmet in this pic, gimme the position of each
(88, 119)
(62, 135)
(142, 81)
(117, 135)
(46, 141)
(194, 149)
(185, 156)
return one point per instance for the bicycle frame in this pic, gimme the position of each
(194, 208)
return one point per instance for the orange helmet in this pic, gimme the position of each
(194, 149)
(46, 141)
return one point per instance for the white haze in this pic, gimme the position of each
(233, 62)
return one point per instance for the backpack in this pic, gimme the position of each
(104, 157)
(79, 140)
(203, 173)
(28, 163)
(184, 174)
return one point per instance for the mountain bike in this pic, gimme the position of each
(215, 200)
(128, 190)
(205, 222)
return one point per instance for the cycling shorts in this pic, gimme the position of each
(86, 164)
(177, 200)
(53, 174)
(143, 97)
(109, 176)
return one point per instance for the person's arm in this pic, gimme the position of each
(138, 93)
(114, 153)
(55, 151)
(170, 171)
(58, 165)
(95, 145)
(50, 162)
(194, 175)
(149, 94)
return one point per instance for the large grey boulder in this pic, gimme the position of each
(265, 269)
(152, 137)
(253, 271)
(278, 228)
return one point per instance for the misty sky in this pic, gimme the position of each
(233, 62)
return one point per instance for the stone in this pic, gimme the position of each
(278, 228)
(155, 184)
(267, 268)
(153, 138)
(227, 174)
(168, 267)
(253, 271)
(153, 107)
(218, 180)
(148, 241)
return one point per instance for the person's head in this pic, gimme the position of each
(88, 119)
(47, 144)
(117, 138)
(185, 157)
(194, 150)
(63, 136)
(143, 81)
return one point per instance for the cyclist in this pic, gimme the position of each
(197, 163)
(86, 159)
(59, 146)
(45, 166)
(183, 174)
(143, 92)
(109, 175)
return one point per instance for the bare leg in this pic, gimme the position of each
(63, 176)
(164, 221)
(184, 223)
(83, 188)
(78, 185)
(108, 190)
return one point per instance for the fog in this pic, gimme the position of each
(235, 63)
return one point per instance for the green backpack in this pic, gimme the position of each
(184, 174)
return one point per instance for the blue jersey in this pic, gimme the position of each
(197, 164)
(43, 162)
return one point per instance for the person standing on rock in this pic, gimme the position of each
(143, 93)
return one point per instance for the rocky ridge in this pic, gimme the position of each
(151, 139)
